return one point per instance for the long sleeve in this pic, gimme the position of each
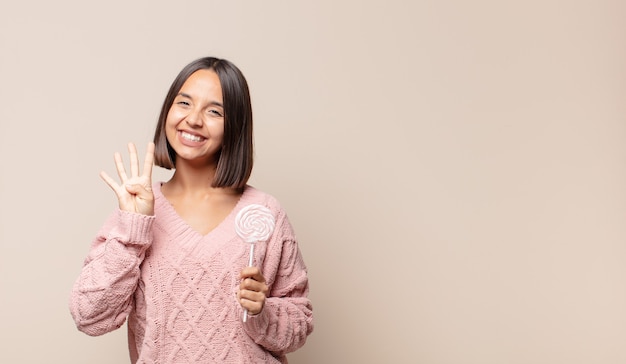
(287, 318)
(101, 297)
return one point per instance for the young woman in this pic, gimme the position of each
(170, 260)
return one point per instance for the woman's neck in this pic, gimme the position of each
(192, 180)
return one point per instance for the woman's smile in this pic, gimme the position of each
(191, 137)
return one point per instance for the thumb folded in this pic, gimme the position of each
(134, 189)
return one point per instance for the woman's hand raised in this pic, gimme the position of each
(135, 192)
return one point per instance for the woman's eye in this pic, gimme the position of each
(215, 113)
(184, 103)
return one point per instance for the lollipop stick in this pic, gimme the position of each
(251, 255)
(245, 312)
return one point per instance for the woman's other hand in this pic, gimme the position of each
(252, 290)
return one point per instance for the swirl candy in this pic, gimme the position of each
(254, 223)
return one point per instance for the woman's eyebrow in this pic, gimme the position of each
(215, 103)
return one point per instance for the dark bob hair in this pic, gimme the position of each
(235, 161)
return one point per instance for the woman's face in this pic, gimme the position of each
(195, 122)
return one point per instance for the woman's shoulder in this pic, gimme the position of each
(253, 195)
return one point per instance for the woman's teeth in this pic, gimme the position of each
(193, 138)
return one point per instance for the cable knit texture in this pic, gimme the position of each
(177, 288)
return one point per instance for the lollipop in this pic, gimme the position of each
(254, 223)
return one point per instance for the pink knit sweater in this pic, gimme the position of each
(177, 288)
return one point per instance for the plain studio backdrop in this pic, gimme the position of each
(455, 170)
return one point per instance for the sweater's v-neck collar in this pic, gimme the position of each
(177, 226)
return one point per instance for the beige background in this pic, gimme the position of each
(455, 170)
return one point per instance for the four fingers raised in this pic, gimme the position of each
(134, 192)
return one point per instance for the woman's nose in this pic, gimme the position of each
(194, 118)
